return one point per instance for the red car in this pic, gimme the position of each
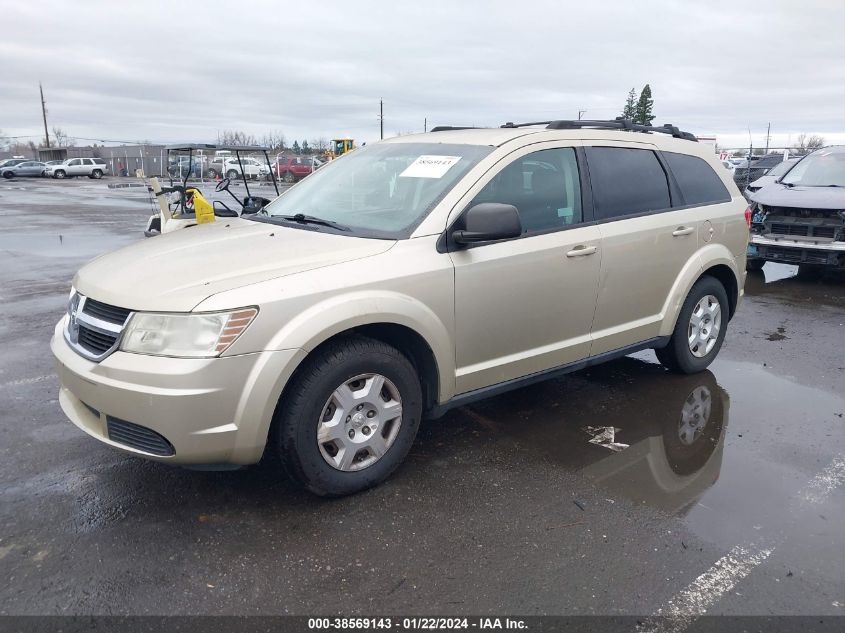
(291, 169)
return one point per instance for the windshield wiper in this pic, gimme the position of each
(301, 218)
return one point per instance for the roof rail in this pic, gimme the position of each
(446, 128)
(616, 124)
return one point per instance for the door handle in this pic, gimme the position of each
(580, 251)
(683, 230)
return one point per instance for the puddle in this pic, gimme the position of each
(784, 282)
(727, 450)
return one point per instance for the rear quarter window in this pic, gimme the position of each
(626, 181)
(698, 182)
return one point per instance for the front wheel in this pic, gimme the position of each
(59, 173)
(232, 174)
(289, 177)
(8, 174)
(349, 417)
(700, 329)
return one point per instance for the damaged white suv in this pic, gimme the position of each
(405, 278)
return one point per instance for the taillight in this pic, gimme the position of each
(748, 216)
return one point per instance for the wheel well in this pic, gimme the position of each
(406, 341)
(726, 277)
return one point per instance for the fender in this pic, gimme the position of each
(338, 313)
(706, 257)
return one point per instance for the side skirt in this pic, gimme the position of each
(475, 395)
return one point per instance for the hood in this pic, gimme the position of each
(778, 195)
(176, 271)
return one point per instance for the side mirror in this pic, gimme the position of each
(489, 221)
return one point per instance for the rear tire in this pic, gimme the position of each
(96, 174)
(337, 394)
(289, 177)
(231, 174)
(700, 329)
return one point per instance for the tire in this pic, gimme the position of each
(289, 177)
(754, 264)
(309, 401)
(231, 174)
(97, 174)
(678, 356)
(44, 174)
(211, 173)
(8, 174)
(59, 173)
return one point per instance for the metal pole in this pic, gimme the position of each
(580, 112)
(768, 136)
(380, 118)
(44, 115)
(425, 124)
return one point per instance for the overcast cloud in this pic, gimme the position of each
(181, 71)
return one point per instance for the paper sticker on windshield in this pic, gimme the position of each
(429, 167)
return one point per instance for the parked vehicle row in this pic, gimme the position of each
(462, 263)
(72, 167)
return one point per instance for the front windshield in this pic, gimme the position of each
(822, 168)
(382, 190)
(781, 168)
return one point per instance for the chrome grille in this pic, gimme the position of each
(106, 312)
(93, 328)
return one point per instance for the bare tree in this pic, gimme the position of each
(320, 144)
(275, 140)
(809, 142)
(61, 138)
(236, 137)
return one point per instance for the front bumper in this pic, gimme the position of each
(790, 251)
(211, 410)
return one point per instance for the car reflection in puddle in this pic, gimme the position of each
(630, 426)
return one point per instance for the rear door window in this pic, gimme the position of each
(626, 181)
(698, 182)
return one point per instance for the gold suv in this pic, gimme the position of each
(406, 278)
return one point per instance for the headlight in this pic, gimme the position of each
(185, 335)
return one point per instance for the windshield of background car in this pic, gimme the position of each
(822, 168)
(781, 168)
(383, 190)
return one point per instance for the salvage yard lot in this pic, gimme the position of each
(503, 506)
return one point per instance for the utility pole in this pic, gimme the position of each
(768, 136)
(425, 124)
(580, 112)
(381, 118)
(44, 115)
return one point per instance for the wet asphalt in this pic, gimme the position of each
(503, 507)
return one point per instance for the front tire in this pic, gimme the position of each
(700, 329)
(8, 174)
(289, 177)
(59, 174)
(232, 174)
(349, 417)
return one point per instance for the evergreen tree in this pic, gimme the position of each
(305, 147)
(644, 110)
(296, 149)
(630, 109)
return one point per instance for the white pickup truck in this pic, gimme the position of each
(230, 168)
(91, 167)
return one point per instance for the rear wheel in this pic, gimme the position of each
(700, 329)
(232, 174)
(97, 174)
(349, 417)
(289, 177)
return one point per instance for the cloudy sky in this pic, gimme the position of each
(182, 71)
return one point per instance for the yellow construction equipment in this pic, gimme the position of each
(339, 147)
